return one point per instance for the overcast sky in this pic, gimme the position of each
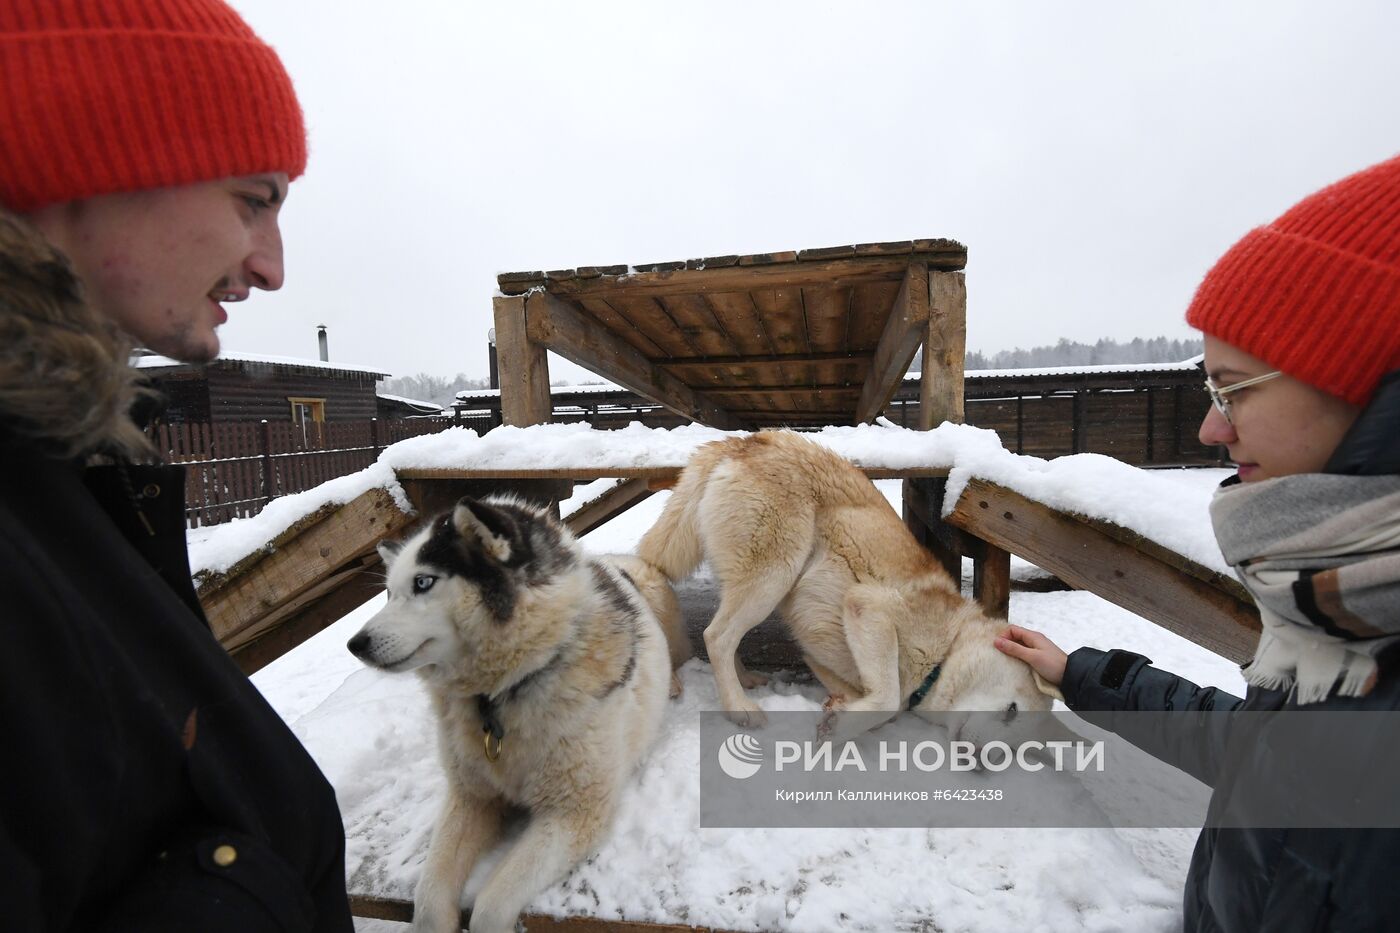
(1095, 157)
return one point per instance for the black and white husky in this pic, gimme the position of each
(549, 672)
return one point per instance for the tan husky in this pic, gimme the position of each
(786, 524)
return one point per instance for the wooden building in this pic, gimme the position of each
(247, 387)
(1145, 414)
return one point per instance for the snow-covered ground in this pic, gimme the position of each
(372, 735)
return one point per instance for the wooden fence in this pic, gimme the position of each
(233, 469)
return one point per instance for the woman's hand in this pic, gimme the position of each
(1042, 654)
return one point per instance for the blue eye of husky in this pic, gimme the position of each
(422, 583)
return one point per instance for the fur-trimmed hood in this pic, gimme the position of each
(65, 384)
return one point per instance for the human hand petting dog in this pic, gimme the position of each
(1033, 648)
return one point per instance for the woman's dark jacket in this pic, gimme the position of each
(145, 784)
(1265, 879)
(1252, 879)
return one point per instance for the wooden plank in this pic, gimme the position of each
(825, 252)
(762, 360)
(1174, 592)
(622, 326)
(385, 908)
(650, 473)
(703, 331)
(738, 315)
(305, 555)
(650, 317)
(896, 248)
(945, 347)
(870, 308)
(768, 259)
(833, 273)
(821, 390)
(352, 592)
(905, 328)
(608, 506)
(517, 283)
(559, 326)
(826, 311)
(523, 367)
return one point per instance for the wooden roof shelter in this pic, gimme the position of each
(820, 336)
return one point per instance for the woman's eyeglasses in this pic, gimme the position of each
(1220, 397)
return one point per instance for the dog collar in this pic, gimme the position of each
(491, 728)
(918, 695)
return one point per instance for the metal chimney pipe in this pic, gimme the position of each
(494, 374)
(321, 339)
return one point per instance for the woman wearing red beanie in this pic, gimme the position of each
(147, 146)
(1302, 355)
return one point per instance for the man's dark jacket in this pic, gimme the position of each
(145, 784)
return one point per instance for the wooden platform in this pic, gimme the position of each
(811, 337)
(990, 522)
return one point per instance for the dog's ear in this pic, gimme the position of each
(388, 550)
(485, 524)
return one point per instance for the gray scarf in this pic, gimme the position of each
(1321, 556)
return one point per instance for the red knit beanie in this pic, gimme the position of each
(101, 96)
(1316, 293)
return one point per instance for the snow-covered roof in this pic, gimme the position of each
(475, 395)
(163, 362)
(417, 403)
(1182, 366)
(592, 388)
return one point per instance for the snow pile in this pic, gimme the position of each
(1156, 504)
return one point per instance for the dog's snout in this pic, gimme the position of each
(359, 644)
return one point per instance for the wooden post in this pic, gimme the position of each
(523, 367)
(269, 475)
(945, 346)
(940, 400)
(991, 581)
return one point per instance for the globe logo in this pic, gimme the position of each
(740, 756)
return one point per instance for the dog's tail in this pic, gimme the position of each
(673, 544)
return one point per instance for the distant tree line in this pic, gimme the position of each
(426, 388)
(1073, 353)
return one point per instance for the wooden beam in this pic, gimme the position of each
(1122, 567)
(741, 278)
(778, 390)
(906, 327)
(991, 581)
(650, 473)
(945, 347)
(559, 326)
(523, 367)
(400, 911)
(239, 603)
(331, 607)
(609, 505)
(767, 359)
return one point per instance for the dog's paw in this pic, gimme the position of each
(749, 717)
(751, 680)
(833, 701)
(675, 685)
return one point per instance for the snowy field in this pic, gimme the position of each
(372, 735)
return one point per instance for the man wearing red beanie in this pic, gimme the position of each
(146, 147)
(1302, 358)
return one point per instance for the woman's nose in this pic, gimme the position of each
(1215, 431)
